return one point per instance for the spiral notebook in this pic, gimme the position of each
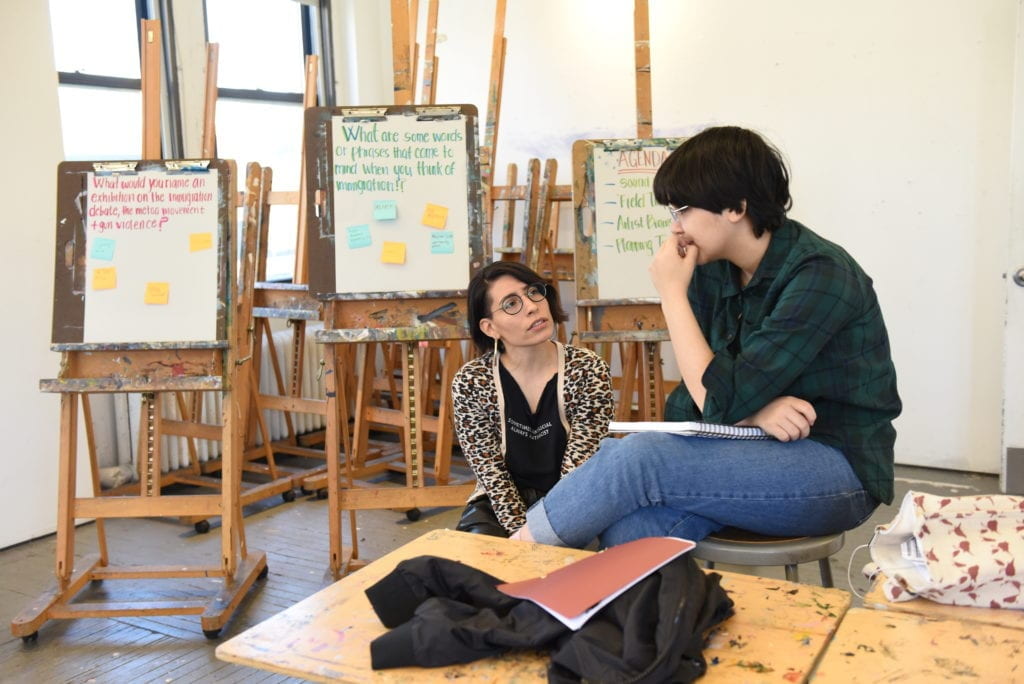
(690, 428)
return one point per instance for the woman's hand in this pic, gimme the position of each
(786, 418)
(672, 267)
(522, 534)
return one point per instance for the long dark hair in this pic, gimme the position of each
(479, 302)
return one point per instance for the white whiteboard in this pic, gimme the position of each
(630, 225)
(152, 246)
(401, 216)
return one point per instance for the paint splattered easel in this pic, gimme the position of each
(209, 356)
(393, 244)
(632, 323)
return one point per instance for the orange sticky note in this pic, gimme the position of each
(393, 253)
(435, 216)
(157, 293)
(197, 242)
(104, 278)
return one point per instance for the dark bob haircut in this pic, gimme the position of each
(719, 168)
(479, 301)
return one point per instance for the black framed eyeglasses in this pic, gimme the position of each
(513, 303)
(675, 213)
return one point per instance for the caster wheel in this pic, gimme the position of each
(202, 527)
(211, 633)
(264, 572)
(413, 514)
(288, 496)
(321, 493)
(30, 638)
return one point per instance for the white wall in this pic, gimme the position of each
(896, 120)
(31, 143)
(362, 52)
(1013, 359)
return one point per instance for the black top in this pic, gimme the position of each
(534, 442)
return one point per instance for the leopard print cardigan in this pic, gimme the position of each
(585, 403)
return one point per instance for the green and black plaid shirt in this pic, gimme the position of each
(807, 325)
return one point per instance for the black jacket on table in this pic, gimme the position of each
(443, 612)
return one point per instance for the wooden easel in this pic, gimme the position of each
(635, 325)
(147, 368)
(189, 425)
(282, 301)
(368, 384)
(293, 303)
(408, 320)
(189, 404)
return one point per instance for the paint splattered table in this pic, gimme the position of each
(885, 646)
(778, 632)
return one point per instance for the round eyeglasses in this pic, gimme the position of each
(675, 213)
(513, 303)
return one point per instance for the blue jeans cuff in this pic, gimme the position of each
(540, 527)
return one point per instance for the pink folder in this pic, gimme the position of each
(574, 593)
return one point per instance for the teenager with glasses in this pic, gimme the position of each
(529, 410)
(772, 326)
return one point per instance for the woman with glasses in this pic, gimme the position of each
(529, 410)
(772, 326)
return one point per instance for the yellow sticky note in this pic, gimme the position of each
(157, 293)
(104, 278)
(435, 216)
(393, 253)
(197, 242)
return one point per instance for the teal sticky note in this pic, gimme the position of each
(358, 236)
(385, 210)
(442, 242)
(101, 248)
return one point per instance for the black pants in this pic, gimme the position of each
(479, 518)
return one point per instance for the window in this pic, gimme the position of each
(259, 107)
(100, 88)
(260, 80)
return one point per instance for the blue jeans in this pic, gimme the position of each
(658, 484)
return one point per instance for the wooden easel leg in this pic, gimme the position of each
(149, 445)
(97, 490)
(239, 567)
(361, 427)
(332, 440)
(443, 444)
(223, 605)
(66, 488)
(279, 379)
(335, 357)
(628, 356)
(261, 425)
(26, 623)
(231, 478)
(392, 361)
(344, 360)
(411, 406)
(298, 357)
(190, 415)
(652, 396)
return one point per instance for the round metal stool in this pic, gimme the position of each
(739, 547)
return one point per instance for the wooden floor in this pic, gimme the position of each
(294, 535)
